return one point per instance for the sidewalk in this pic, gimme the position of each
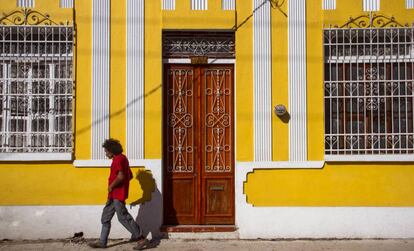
(236, 245)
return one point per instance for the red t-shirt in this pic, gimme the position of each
(120, 163)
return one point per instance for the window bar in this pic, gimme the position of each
(65, 91)
(2, 77)
(377, 96)
(358, 84)
(62, 99)
(62, 95)
(63, 70)
(40, 81)
(51, 113)
(5, 111)
(342, 80)
(25, 100)
(59, 99)
(386, 83)
(371, 84)
(333, 70)
(330, 90)
(341, 119)
(28, 116)
(331, 54)
(391, 141)
(29, 54)
(364, 99)
(349, 95)
(8, 106)
(20, 93)
(383, 105)
(337, 79)
(48, 58)
(398, 138)
(397, 135)
(56, 99)
(8, 98)
(4, 81)
(411, 55)
(405, 98)
(52, 98)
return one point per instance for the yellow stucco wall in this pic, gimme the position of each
(243, 83)
(57, 184)
(337, 184)
(54, 183)
(83, 83)
(153, 81)
(355, 184)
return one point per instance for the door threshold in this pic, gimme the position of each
(197, 228)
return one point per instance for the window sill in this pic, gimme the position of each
(370, 158)
(92, 163)
(107, 162)
(35, 157)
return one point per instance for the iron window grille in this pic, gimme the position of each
(36, 88)
(368, 90)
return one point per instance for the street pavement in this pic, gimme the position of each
(200, 245)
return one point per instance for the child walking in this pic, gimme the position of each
(118, 188)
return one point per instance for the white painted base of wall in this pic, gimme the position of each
(53, 222)
(315, 222)
(325, 222)
(45, 222)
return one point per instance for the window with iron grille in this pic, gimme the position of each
(368, 91)
(36, 89)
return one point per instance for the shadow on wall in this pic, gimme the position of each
(149, 215)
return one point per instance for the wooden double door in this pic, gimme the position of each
(198, 144)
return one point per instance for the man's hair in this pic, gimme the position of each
(113, 146)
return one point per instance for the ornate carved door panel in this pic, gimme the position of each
(198, 158)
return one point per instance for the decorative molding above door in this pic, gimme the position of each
(186, 44)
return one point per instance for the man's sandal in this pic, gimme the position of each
(142, 244)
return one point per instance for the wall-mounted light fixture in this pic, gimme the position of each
(280, 110)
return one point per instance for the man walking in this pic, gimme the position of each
(118, 188)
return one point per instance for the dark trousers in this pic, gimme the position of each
(124, 218)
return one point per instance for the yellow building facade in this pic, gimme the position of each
(306, 141)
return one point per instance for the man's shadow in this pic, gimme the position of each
(149, 215)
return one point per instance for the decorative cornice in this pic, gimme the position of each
(26, 17)
(374, 21)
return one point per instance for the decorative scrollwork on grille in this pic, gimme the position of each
(180, 121)
(26, 17)
(218, 121)
(187, 44)
(186, 120)
(180, 150)
(374, 21)
(218, 150)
